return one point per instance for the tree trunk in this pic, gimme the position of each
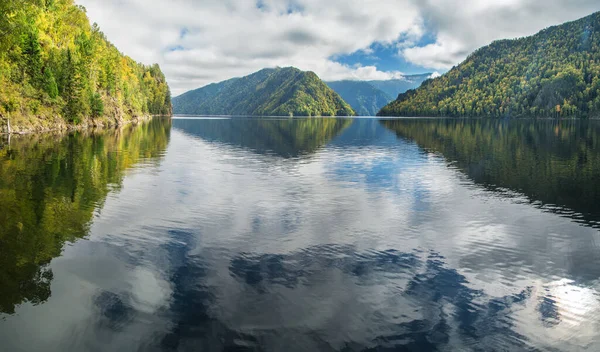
(8, 125)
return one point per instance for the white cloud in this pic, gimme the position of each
(462, 26)
(200, 42)
(224, 39)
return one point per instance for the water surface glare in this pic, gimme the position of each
(303, 235)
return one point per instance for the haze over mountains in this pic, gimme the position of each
(555, 73)
(368, 97)
(269, 92)
(364, 98)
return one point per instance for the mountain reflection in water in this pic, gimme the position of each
(303, 234)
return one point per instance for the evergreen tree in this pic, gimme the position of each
(97, 105)
(72, 89)
(32, 53)
(50, 84)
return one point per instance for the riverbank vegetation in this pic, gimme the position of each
(57, 70)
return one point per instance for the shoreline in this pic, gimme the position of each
(68, 128)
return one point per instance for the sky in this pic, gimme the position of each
(198, 42)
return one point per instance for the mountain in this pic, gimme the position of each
(363, 97)
(269, 92)
(393, 87)
(57, 70)
(555, 73)
(368, 97)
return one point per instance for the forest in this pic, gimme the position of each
(57, 70)
(555, 73)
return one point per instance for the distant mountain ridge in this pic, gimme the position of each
(394, 87)
(368, 97)
(555, 73)
(268, 92)
(362, 96)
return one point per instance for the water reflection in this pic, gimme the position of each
(339, 298)
(283, 137)
(373, 243)
(556, 164)
(50, 188)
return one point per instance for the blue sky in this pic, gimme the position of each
(387, 57)
(201, 42)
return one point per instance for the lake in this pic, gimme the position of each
(303, 235)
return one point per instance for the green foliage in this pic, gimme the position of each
(50, 84)
(97, 105)
(72, 90)
(555, 73)
(51, 55)
(32, 54)
(50, 189)
(9, 105)
(269, 92)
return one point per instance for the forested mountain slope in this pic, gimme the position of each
(555, 73)
(58, 70)
(269, 92)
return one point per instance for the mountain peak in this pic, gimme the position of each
(278, 91)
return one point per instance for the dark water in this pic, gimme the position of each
(303, 235)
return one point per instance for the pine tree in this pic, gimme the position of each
(50, 84)
(33, 57)
(72, 89)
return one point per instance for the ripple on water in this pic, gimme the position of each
(299, 234)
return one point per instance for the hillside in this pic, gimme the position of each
(555, 73)
(365, 99)
(269, 92)
(57, 71)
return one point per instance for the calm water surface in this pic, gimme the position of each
(303, 235)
